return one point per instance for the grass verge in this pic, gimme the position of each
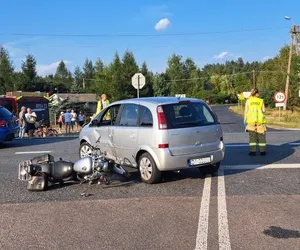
(287, 119)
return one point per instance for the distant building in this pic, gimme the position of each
(78, 102)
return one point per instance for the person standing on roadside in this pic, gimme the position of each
(81, 118)
(102, 103)
(74, 120)
(22, 122)
(67, 117)
(30, 121)
(60, 121)
(255, 122)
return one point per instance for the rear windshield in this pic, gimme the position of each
(4, 113)
(190, 114)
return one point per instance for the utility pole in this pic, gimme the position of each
(295, 39)
(83, 83)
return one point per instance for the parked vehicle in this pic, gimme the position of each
(9, 128)
(156, 134)
(38, 104)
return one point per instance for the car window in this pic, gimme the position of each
(190, 114)
(8, 104)
(109, 116)
(4, 113)
(129, 116)
(146, 119)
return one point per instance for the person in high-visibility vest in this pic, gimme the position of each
(102, 103)
(255, 122)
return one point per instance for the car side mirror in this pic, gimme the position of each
(95, 122)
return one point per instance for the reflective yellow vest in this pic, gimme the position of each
(255, 114)
(99, 106)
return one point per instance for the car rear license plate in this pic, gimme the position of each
(199, 161)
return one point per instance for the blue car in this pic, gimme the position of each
(9, 127)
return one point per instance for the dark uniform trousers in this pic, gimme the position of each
(257, 137)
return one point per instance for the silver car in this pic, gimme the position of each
(156, 134)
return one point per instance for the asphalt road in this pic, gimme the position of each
(252, 203)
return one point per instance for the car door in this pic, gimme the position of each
(126, 133)
(104, 130)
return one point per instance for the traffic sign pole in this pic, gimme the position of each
(138, 89)
(138, 81)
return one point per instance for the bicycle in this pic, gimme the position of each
(42, 130)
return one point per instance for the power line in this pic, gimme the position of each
(148, 46)
(141, 35)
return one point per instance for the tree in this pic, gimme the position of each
(161, 85)
(88, 72)
(147, 90)
(129, 68)
(6, 72)
(76, 86)
(30, 74)
(63, 77)
(99, 65)
(177, 73)
(114, 78)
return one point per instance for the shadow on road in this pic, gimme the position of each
(232, 122)
(275, 154)
(34, 141)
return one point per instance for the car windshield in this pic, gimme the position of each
(190, 114)
(4, 113)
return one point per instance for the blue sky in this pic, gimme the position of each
(36, 19)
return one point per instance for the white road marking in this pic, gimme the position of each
(235, 145)
(224, 239)
(202, 234)
(32, 152)
(261, 166)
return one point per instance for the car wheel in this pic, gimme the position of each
(210, 169)
(148, 171)
(85, 150)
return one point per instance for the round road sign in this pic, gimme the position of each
(279, 96)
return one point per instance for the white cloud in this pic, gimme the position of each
(222, 55)
(267, 58)
(47, 69)
(162, 24)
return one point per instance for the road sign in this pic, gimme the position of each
(138, 81)
(180, 95)
(279, 104)
(279, 97)
(246, 94)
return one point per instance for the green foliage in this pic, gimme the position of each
(77, 84)
(63, 77)
(6, 72)
(28, 81)
(215, 82)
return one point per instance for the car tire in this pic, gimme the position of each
(149, 172)
(85, 149)
(210, 169)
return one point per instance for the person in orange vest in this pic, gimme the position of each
(255, 123)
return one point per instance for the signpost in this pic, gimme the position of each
(138, 81)
(279, 98)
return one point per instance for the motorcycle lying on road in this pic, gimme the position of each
(42, 171)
